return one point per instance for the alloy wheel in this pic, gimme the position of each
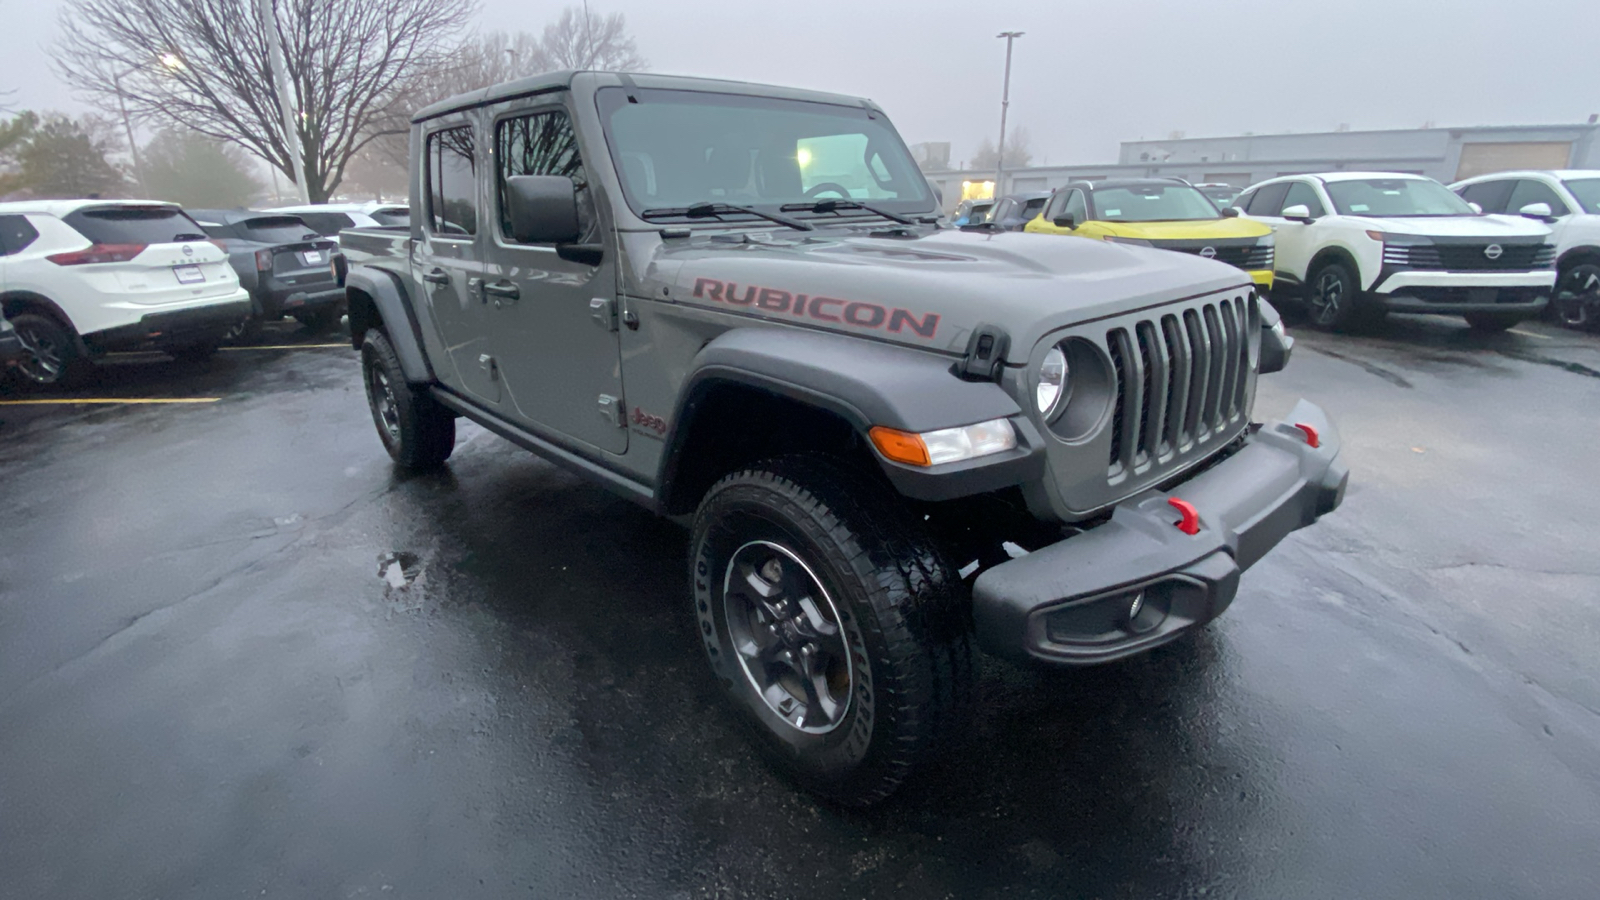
(383, 401)
(42, 361)
(1327, 296)
(1577, 300)
(786, 632)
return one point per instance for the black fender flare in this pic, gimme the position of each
(388, 295)
(10, 300)
(865, 383)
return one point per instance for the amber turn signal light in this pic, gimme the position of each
(900, 446)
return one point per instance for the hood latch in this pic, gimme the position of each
(986, 354)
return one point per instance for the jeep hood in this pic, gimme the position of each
(928, 290)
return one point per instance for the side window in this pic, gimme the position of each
(542, 143)
(452, 183)
(1300, 192)
(1490, 195)
(16, 233)
(1243, 200)
(1077, 208)
(1268, 201)
(1529, 191)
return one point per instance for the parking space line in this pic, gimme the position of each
(284, 347)
(1542, 337)
(107, 401)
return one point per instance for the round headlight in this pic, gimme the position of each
(1052, 383)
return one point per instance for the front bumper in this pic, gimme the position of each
(1261, 277)
(172, 329)
(1071, 603)
(278, 300)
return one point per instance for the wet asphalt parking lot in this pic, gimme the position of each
(241, 657)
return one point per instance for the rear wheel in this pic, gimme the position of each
(1577, 297)
(833, 623)
(1492, 322)
(50, 355)
(1334, 301)
(414, 428)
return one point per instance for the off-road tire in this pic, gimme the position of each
(320, 320)
(1576, 303)
(1492, 322)
(62, 366)
(903, 613)
(1334, 301)
(415, 429)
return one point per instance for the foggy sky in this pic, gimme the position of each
(1089, 73)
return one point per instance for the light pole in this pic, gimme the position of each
(127, 126)
(1005, 104)
(280, 80)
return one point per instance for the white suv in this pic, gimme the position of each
(1569, 200)
(83, 277)
(1358, 245)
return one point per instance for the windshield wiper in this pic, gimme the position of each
(709, 210)
(833, 206)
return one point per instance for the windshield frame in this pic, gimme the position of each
(1587, 205)
(1329, 187)
(610, 99)
(1097, 215)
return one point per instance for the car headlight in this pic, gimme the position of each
(1052, 384)
(946, 445)
(1137, 242)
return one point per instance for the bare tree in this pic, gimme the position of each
(1018, 154)
(581, 40)
(203, 65)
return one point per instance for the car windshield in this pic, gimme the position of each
(1587, 192)
(274, 229)
(1152, 203)
(134, 224)
(675, 149)
(1395, 197)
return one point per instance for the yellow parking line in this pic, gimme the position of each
(107, 401)
(1542, 337)
(284, 347)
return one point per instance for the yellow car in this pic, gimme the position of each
(1159, 212)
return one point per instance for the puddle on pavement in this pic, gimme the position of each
(399, 569)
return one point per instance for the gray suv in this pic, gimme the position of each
(289, 269)
(892, 442)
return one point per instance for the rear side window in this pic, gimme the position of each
(452, 183)
(273, 229)
(539, 144)
(326, 223)
(1489, 195)
(16, 233)
(135, 225)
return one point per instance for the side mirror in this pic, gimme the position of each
(1276, 344)
(1475, 207)
(543, 209)
(1540, 211)
(1065, 221)
(1297, 213)
(1230, 212)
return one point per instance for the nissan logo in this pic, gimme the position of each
(189, 251)
(1211, 252)
(1493, 251)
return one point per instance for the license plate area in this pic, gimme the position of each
(188, 274)
(1483, 295)
(312, 257)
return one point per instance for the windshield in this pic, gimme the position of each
(1395, 197)
(134, 225)
(674, 149)
(1152, 203)
(1587, 192)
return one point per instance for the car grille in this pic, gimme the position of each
(1249, 257)
(1181, 379)
(1470, 257)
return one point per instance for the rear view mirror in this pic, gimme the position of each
(1230, 212)
(1298, 213)
(1064, 221)
(1536, 211)
(543, 209)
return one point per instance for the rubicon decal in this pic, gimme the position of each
(821, 309)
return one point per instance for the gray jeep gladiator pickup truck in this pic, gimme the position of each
(893, 441)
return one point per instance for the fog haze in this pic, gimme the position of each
(1086, 75)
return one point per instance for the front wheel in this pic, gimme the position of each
(833, 623)
(414, 428)
(1334, 301)
(1576, 303)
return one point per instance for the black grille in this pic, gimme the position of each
(1471, 257)
(1181, 379)
(1252, 257)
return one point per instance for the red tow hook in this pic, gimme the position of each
(1311, 434)
(1190, 523)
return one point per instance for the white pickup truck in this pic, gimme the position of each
(1355, 246)
(1569, 201)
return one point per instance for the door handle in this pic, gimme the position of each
(436, 276)
(504, 292)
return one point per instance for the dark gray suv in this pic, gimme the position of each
(289, 269)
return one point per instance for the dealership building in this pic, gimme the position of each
(1447, 154)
